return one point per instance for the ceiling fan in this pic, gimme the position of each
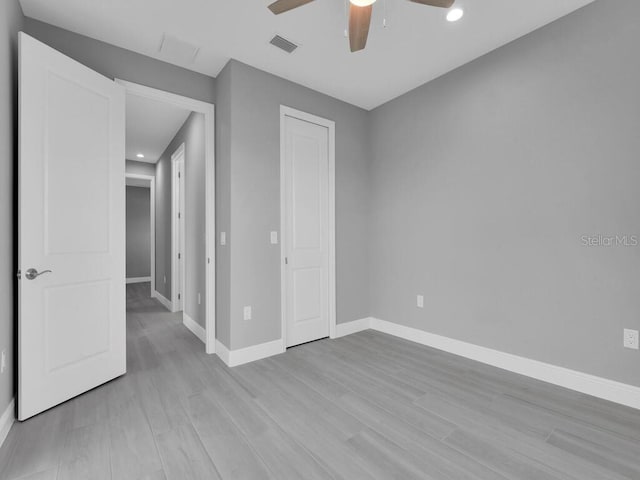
(359, 16)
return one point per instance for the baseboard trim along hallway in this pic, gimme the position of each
(599, 387)
(233, 358)
(6, 420)
(194, 327)
(166, 303)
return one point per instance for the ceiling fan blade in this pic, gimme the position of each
(281, 6)
(436, 3)
(359, 21)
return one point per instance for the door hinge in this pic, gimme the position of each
(179, 256)
(19, 274)
(286, 260)
(179, 175)
(178, 296)
(179, 214)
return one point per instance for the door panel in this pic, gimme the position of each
(306, 231)
(71, 330)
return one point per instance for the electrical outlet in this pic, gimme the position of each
(274, 238)
(247, 313)
(165, 279)
(420, 301)
(199, 299)
(223, 238)
(3, 362)
(631, 339)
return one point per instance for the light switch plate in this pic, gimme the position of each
(247, 313)
(274, 238)
(420, 301)
(223, 238)
(631, 339)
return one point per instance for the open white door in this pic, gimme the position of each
(71, 331)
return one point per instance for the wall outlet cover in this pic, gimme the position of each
(3, 362)
(247, 313)
(420, 301)
(631, 339)
(274, 238)
(223, 238)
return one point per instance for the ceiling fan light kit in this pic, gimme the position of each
(362, 3)
(360, 16)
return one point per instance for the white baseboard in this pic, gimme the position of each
(167, 303)
(6, 421)
(223, 352)
(354, 326)
(194, 327)
(138, 280)
(233, 358)
(611, 390)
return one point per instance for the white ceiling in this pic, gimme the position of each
(417, 46)
(151, 125)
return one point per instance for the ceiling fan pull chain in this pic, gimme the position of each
(346, 18)
(384, 19)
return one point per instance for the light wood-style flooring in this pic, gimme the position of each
(361, 407)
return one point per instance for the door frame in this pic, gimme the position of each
(208, 110)
(152, 216)
(285, 112)
(178, 235)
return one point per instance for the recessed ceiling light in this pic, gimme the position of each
(140, 155)
(362, 3)
(455, 14)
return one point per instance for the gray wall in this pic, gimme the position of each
(10, 23)
(192, 134)
(140, 168)
(115, 62)
(138, 232)
(254, 131)
(223, 205)
(485, 180)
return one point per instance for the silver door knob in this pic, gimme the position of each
(32, 273)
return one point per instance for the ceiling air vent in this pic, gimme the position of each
(176, 50)
(283, 44)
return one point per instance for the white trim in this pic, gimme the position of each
(194, 327)
(222, 351)
(355, 326)
(138, 280)
(162, 299)
(208, 110)
(178, 235)
(611, 390)
(233, 358)
(6, 420)
(152, 216)
(331, 127)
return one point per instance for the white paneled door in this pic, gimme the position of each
(306, 230)
(71, 229)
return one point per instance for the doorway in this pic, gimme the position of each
(178, 228)
(140, 229)
(307, 216)
(184, 277)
